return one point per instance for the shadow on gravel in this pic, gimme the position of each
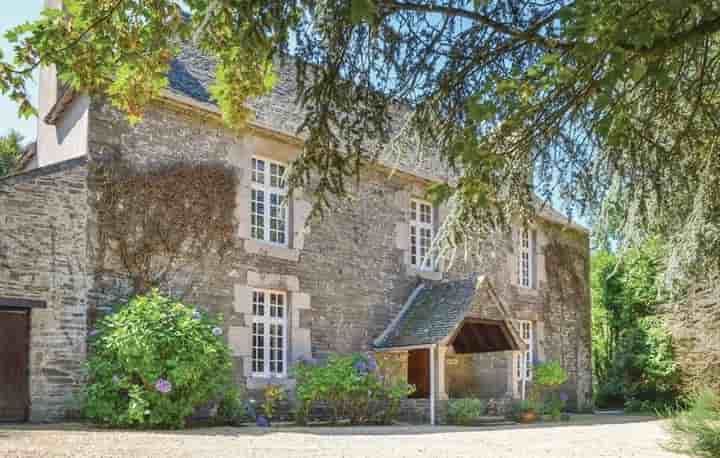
(580, 420)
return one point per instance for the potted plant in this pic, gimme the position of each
(528, 411)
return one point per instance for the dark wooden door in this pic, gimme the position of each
(14, 390)
(419, 372)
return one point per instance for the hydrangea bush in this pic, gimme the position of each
(352, 387)
(153, 362)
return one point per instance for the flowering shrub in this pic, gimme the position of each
(153, 362)
(464, 411)
(352, 388)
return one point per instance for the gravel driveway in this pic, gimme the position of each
(584, 436)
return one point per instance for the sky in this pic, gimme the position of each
(19, 12)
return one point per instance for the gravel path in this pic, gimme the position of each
(584, 436)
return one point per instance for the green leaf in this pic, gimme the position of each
(361, 11)
(639, 69)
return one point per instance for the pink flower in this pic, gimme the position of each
(163, 386)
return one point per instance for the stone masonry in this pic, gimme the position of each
(346, 276)
(43, 256)
(695, 328)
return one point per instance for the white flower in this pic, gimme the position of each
(217, 331)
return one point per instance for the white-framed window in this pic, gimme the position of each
(526, 333)
(421, 234)
(269, 333)
(268, 209)
(525, 258)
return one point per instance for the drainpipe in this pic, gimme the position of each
(523, 375)
(432, 384)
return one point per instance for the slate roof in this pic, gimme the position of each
(433, 315)
(191, 74)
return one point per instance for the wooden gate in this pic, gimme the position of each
(14, 350)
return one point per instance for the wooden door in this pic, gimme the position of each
(419, 372)
(14, 344)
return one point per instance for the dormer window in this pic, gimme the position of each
(421, 234)
(268, 209)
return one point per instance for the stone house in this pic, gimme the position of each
(355, 281)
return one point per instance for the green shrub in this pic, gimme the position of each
(547, 378)
(549, 375)
(352, 389)
(153, 362)
(464, 411)
(230, 409)
(696, 431)
(272, 395)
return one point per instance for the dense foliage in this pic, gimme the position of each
(594, 98)
(632, 349)
(153, 362)
(697, 430)
(352, 388)
(464, 411)
(10, 151)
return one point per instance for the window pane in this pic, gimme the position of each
(276, 349)
(277, 218)
(258, 171)
(277, 305)
(425, 213)
(276, 175)
(258, 348)
(258, 303)
(257, 214)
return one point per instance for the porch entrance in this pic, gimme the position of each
(14, 346)
(419, 372)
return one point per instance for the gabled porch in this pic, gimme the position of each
(453, 339)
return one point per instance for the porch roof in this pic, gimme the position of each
(438, 310)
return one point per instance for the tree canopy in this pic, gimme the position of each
(609, 104)
(11, 149)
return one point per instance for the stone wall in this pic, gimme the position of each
(695, 328)
(43, 215)
(347, 275)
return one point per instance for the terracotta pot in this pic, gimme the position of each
(528, 417)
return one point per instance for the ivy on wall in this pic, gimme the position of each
(155, 221)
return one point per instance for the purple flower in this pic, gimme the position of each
(94, 333)
(372, 363)
(163, 386)
(564, 396)
(362, 367)
(217, 332)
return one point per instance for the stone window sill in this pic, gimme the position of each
(526, 290)
(259, 383)
(425, 274)
(274, 251)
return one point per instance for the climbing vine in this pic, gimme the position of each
(566, 268)
(154, 221)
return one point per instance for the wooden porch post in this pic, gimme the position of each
(433, 362)
(442, 384)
